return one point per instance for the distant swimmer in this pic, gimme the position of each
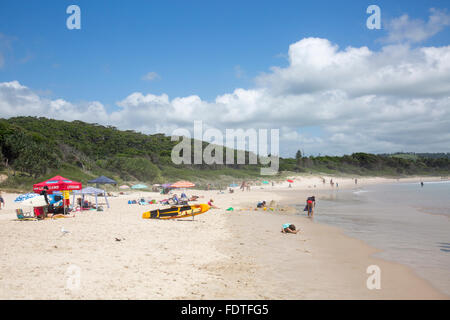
(421, 183)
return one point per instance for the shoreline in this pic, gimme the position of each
(404, 277)
(238, 254)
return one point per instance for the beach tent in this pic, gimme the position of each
(102, 180)
(183, 184)
(57, 183)
(93, 192)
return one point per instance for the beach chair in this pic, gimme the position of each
(25, 215)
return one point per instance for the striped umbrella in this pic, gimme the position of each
(183, 184)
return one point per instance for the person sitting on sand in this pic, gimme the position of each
(193, 198)
(210, 203)
(261, 204)
(289, 228)
(174, 199)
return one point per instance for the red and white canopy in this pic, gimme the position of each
(57, 183)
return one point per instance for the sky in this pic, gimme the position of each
(312, 69)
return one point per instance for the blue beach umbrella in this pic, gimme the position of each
(26, 196)
(139, 186)
(233, 185)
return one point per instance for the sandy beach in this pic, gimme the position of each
(239, 254)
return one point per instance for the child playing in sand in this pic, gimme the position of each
(289, 228)
(210, 203)
(261, 204)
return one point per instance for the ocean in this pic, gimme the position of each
(409, 223)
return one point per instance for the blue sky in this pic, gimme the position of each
(204, 48)
(196, 47)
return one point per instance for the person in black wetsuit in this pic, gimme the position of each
(45, 194)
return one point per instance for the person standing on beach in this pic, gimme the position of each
(310, 204)
(2, 201)
(45, 194)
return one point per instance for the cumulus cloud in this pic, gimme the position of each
(19, 100)
(405, 29)
(327, 100)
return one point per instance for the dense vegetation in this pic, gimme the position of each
(37, 148)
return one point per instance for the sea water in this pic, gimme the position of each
(409, 223)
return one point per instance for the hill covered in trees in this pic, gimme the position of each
(37, 148)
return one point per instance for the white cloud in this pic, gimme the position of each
(19, 100)
(405, 29)
(151, 76)
(327, 100)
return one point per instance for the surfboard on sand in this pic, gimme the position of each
(176, 212)
(38, 201)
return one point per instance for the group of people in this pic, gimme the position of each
(309, 207)
(54, 206)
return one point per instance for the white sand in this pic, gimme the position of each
(218, 255)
